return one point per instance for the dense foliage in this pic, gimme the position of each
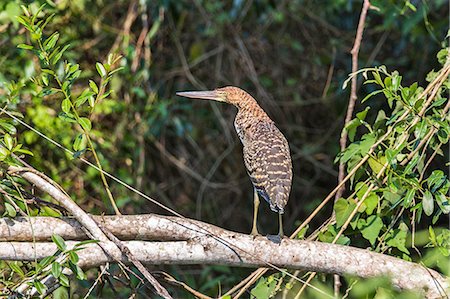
(99, 79)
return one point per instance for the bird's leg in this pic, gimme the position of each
(277, 238)
(280, 223)
(255, 213)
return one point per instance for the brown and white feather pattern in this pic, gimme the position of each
(266, 153)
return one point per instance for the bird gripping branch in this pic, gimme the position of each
(265, 149)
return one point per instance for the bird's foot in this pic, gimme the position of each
(275, 238)
(255, 233)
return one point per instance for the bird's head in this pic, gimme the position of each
(229, 94)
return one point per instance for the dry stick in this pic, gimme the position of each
(350, 109)
(88, 223)
(353, 97)
(185, 286)
(161, 290)
(347, 222)
(437, 82)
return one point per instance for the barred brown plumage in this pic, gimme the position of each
(265, 149)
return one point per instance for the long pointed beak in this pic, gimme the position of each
(204, 95)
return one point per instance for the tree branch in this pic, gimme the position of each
(194, 242)
(47, 185)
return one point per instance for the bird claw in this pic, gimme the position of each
(275, 238)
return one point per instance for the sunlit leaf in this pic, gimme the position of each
(59, 242)
(428, 203)
(10, 210)
(101, 69)
(85, 123)
(372, 228)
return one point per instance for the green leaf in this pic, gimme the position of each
(25, 46)
(352, 150)
(4, 153)
(91, 101)
(80, 273)
(56, 269)
(80, 142)
(80, 244)
(397, 238)
(10, 210)
(57, 54)
(371, 95)
(361, 189)
(372, 228)
(330, 234)
(23, 151)
(343, 208)
(85, 123)
(9, 142)
(65, 106)
(45, 262)
(432, 236)
(50, 42)
(428, 203)
(377, 77)
(443, 135)
(264, 288)
(84, 96)
(436, 179)
(362, 115)
(371, 203)
(302, 232)
(116, 70)
(101, 69)
(63, 280)
(442, 202)
(40, 287)
(409, 197)
(8, 127)
(377, 164)
(93, 86)
(67, 117)
(16, 268)
(59, 241)
(47, 71)
(61, 293)
(25, 22)
(351, 128)
(73, 256)
(47, 211)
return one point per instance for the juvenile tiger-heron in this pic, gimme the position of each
(265, 149)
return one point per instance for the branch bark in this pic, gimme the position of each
(188, 241)
(47, 185)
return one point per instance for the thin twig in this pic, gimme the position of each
(353, 97)
(350, 109)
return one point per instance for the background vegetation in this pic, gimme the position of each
(293, 56)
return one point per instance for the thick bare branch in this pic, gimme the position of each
(199, 246)
(125, 227)
(45, 184)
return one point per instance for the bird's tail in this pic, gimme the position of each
(278, 203)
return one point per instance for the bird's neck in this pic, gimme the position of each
(249, 107)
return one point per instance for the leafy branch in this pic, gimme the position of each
(64, 75)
